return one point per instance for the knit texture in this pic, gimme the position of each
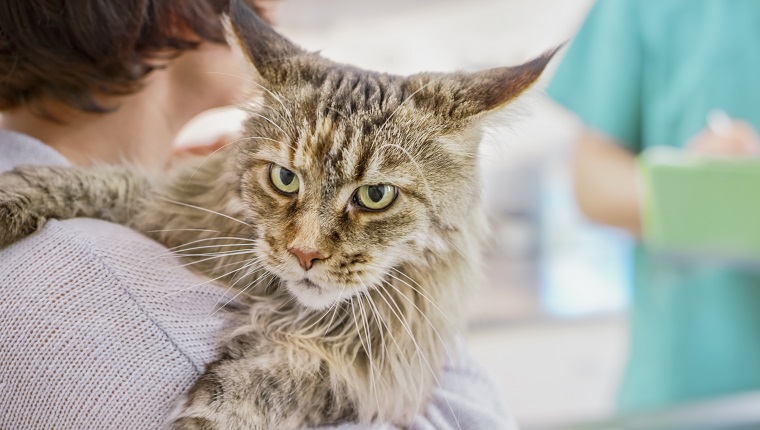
(100, 328)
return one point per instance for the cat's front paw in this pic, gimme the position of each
(20, 205)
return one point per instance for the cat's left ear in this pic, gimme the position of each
(460, 96)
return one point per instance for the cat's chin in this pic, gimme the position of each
(313, 296)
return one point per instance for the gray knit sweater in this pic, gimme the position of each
(100, 329)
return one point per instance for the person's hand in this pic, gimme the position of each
(725, 137)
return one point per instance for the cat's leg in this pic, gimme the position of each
(173, 209)
(236, 394)
(269, 386)
(31, 195)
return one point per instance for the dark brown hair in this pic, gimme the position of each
(69, 50)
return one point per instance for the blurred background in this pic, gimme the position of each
(550, 324)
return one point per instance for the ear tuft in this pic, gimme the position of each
(502, 85)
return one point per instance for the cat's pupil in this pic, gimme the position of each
(376, 193)
(286, 176)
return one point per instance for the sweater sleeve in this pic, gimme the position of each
(99, 329)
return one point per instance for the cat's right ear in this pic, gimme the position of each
(269, 52)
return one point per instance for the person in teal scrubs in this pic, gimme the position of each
(642, 73)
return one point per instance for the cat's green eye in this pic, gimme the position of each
(375, 197)
(283, 180)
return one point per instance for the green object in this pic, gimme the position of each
(701, 207)
(646, 73)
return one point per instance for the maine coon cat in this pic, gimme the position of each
(348, 218)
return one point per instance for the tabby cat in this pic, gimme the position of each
(348, 217)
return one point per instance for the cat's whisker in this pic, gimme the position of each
(167, 230)
(265, 118)
(215, 257)
(203, 283)
(242, 290)
(206, 239)
(258, 84)
(332, 308)
(216, 267)
(271, 279)
(367, 348)
(425, 317)
(421, 291)
(378, 316)
(418, 351)
(334, 312)
(433, 373)
(453, 326)
(236, 274)
(179, 248)
(207, 256)
(411, 373)
(373, 375)
(379, 291)
(203, 209)
(285, 303)
(371, 306)
(242, 139)
(210, 254)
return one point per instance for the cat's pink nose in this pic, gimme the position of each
(306, 258)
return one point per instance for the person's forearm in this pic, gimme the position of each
(607, 182)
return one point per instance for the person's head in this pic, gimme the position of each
(81, 53)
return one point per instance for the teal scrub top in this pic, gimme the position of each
(647, 72)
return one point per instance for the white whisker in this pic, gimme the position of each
(204, 210)
(421, 291)
(204, 282)
(420, 383)
(265, 118)
(252, 283)
(407, 328)
(242, 139)
(274, 96)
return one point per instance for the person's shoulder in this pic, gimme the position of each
(92, 306)
(98, 263)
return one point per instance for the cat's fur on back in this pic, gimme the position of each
(350, 304)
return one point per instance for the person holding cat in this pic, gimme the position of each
(641, 74)
(99, 328)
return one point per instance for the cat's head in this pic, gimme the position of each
(349, 173)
